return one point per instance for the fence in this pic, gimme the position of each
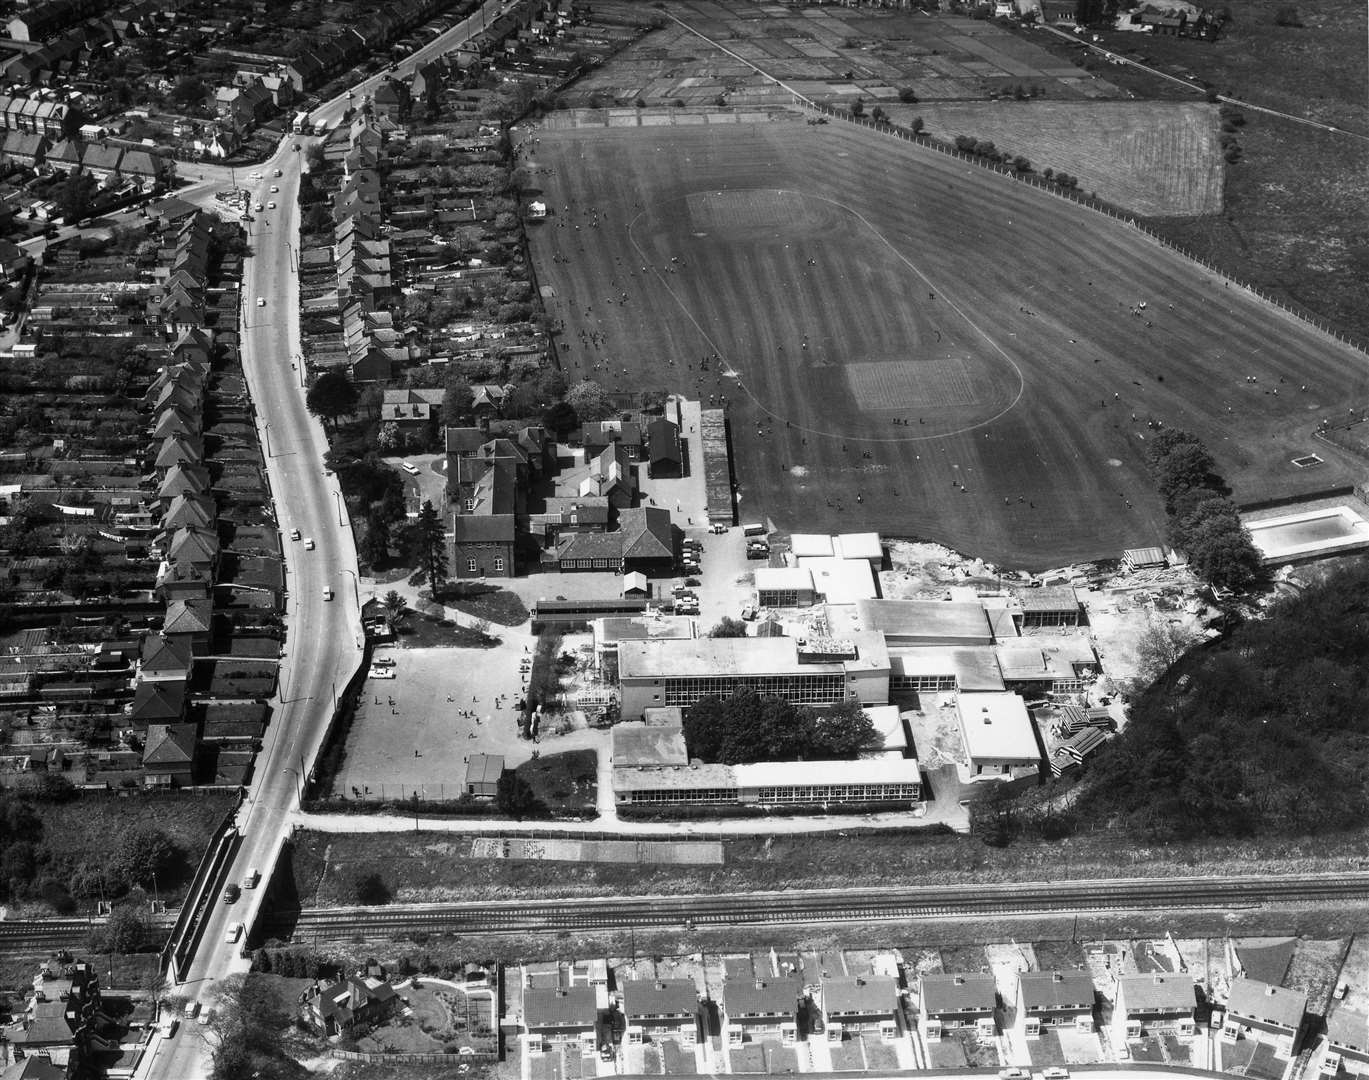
(185, 932)
(1089, 202)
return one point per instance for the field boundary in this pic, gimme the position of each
(802, 101)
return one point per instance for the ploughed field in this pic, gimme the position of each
(912, 344)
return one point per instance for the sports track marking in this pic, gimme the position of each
(917, 272)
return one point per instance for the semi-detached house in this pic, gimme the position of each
(661, 1008)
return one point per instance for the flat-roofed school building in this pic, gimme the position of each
(771, 783)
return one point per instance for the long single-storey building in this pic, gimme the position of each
(771, 783)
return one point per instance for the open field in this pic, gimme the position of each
(1154, 158)
(917, 344)
(831, 54)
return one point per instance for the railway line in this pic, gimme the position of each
(837, 906)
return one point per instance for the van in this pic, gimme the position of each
(755, 528)
(191, 1008)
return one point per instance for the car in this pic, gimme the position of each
(274, 189)
(261, 301)
(192, 1009)
(294, 534)
(410, 469)
(309, 544)
(295, 148)
(382, 673)
(206, 1014)
(233, 933)
(1014, 1074)
(749, 612)
(270, 206)
(231, 892)
(327, 592)
(716, 528)
(169, 1027)
(258, 207)
(382, 662)
(279, 172)
(1055, 1073)
(254, 176)
(252, 878)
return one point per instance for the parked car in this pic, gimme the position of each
(231, 892)
(274, 189)
(1055, 1073)
(233, 933)
(1014, 1074)
(294, 534)
(327, 592)
(192, 1008)
(270, 206)
(207, 1013)
(382, 662)
(252, 878)
(410, 469)
(261, 300)
(309, 544)
(382, 673)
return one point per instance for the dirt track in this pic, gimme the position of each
(1029, 469)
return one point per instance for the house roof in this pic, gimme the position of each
(169, 744)
(165, 654)
(647, 533)
(1157, 992)
(550, 1007)
(1263, 1001)
(663, 440)
(485, 528)
(1055, 990)
(1345, 1027)
(188, 617)
(160, 700)
(761, 997)
(589, 545)
(957, 992)
(1049, 598)
(859, 995)
(661, 997)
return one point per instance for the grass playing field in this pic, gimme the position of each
(912, 344)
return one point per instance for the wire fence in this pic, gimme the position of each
(1089, 202)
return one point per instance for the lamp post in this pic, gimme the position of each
(267, 431)
(338, 496)
(356, 587)
(299, 781)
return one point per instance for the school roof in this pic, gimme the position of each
(864, 995)
(1054, 990)
(784, 578)
(613, 629)
(1263, 1001)
(662, 997)
(639, 745)
(1049, 598)
(1157, 992)
(865, 545)
(713, 656)
(842, 581)
(930, 621)
(996, 727)
(550, 1007)
(888, 723)
(810, 545)
(957, 993)
(1347, 1028)
(975, 667)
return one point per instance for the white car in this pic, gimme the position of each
(206, 1015)
(258, 207)
(1056, 1073)
(261, 301)
(382, 662)
(309, 544)
(294, 534)
(274, 189)
(410, 469)
(382, 673)
(270, 206)
(327, 592)
(234, 932)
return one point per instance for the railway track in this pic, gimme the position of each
(837, 906)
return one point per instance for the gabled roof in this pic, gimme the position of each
(169, 744)
(661, 997)
(646, 533)
(161, 654)
(176, 449)
(865, 995)
(957, 992)
(549, 1007)
(758, 997)
(190, 509)
(485, 529)
(192, 545)
(184, 478)
(1157, 992)
(1054, 990)
(663, 440)
(1257, 1000)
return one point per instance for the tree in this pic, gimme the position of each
(76, 197)
(918, 125)
(515, 798)
(991, 816)
(858, 107)
(1179, 462)
(456, 398)
(376, 542)
(907, 96)
(396, 606)
(125, 932)
(844, 731)
(878, 115)
(589, 401)
(369, 888)
(188, 92)
(249, 1020)
(728, 627)
(1218, 545)
(560, 419)
(1158, 648)
(429, 544)
(332, 397)
(140, 855)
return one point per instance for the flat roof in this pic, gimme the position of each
(1049, 598)
(1056, 656)
(1345, 1027)
(810, 545)
(842, 581)
(673, 778)
(782, 773)
(996, 727)
(888, 721)
(975, 667)
(777, 578)
(740, 656)
(613, 629)
(638, 744)
(928, 619)
(866, 545)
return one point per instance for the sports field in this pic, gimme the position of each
(915, 345)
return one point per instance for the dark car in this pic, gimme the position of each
(231, 892)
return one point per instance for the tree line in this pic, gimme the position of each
(749, 727)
